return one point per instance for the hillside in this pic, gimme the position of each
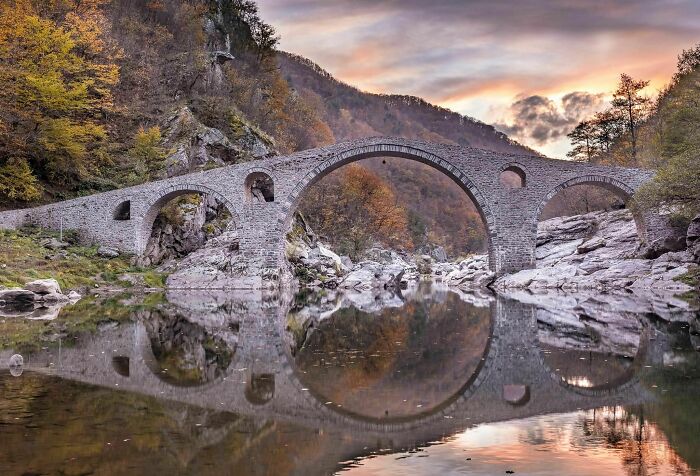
(351, 113)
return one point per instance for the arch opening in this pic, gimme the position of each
(260, 188)
(123, 211)
(586, 220)
(183, 353)
(512, 177)
(185, 220)
(260, 388)
(454, 224)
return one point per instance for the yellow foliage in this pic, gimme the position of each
(57, 76)
(17, 181)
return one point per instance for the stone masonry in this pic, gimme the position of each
(123, 218)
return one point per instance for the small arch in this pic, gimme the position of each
(259, 188)
(260, 388)
(616, 187)
(120, 364)
(513, 177)
(123, 211)
(169, 193)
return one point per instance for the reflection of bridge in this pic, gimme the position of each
(263, 195)
(119, 359)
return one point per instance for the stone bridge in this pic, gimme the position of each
(124, 218)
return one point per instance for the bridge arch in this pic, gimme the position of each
(163, 196)
(611, 184)
(408, 152)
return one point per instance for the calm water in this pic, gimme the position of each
(428, 382)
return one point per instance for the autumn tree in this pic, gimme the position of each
(57, 76)
(353, 208)
(148, 154)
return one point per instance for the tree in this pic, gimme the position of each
(676, 186)
(17, 181)
(57, 77)
(148, 153)
(632, 106)
(583, 142)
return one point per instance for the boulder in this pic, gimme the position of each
(44, 286)
(53, 244)
(106, 252)
(424, 264)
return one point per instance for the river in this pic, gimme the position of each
(425, 381)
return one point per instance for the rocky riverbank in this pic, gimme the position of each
(599, 250)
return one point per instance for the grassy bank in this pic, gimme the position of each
(107, 285)
(25, 257)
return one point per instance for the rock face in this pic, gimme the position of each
(196, 146)
(599, 250)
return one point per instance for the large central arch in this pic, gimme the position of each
(392, 150)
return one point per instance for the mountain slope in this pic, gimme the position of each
(351, 113)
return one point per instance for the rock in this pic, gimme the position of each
(43, 286)
(439, 254)
(54, 298)
(53, 244)
(590, 245)
(16, 296)
(664, 235)
(106, 252)
(74, 296)
(346, 261)
(197, 146)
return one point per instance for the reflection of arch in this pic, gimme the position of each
(167, 194)
(447, 408)
(144, 362)
(260, 388)
(517, 169)
(393, 150)
(611, 184)
(621, 382)
(259, 186)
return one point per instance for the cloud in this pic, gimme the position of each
(540, 120)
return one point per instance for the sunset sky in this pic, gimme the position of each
(533, 68)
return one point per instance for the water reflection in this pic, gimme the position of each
(395, 363)
(381, 384)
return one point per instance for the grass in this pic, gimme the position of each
(24, 259)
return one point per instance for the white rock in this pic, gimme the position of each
(43, 286)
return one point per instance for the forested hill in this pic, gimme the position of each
(352, 113)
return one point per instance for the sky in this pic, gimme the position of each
(532, 68)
